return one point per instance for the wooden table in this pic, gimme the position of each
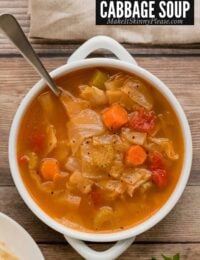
(178, 67)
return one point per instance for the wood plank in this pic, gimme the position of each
(136, 251)
(19, 9)
(181, 75)
(181, 225)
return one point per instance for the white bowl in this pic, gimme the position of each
(128, 64)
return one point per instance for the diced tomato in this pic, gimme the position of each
(23, 159)
(143, 121)
(96, 198)
(37, 141)
(156, 161)
(159, 177)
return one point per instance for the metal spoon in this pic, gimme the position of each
(11, 28)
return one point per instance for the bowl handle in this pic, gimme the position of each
(102, 42)
(109, 254)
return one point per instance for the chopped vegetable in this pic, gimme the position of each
(116, 187)
(116, 81)
(87, 123)
(95, 96)
(47, 186)
(159, 177)
(116, 168)
(131, 88)
(165, 145)
(79, 182)
(51, 140)
(143, 121)
(98, 79)
(88, 168)
(115, 117)
(113, 139)
(103, 155)
(136, 155)
(72, 105)
(135, 179)
(72, 164)
(33, 160)
(113, 96)
(105, 215)
(159, 172)
(156, 161)
(49, 169)
(146, 186)
(117, 96)
(62, 150)
(73, 201)
(133, 137)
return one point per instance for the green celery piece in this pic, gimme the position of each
(98, 79)
(176, 257)
(166, 257)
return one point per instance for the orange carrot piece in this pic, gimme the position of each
(136, 155)
(49, 169)
(115, 117)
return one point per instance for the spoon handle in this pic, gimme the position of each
(11, 28)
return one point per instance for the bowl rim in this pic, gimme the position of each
(149, 222)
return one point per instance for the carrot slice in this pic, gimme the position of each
(115, 117)
(49, 169)
(136, 155)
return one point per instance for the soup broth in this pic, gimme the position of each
(104, 156)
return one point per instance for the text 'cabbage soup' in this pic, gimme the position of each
(105, 155)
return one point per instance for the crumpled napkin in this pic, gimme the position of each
(75, 20)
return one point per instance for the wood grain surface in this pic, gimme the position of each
(178, 66)
(55, 48)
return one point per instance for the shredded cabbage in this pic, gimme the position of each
(85, 124)
(133, 137)
(166, 146)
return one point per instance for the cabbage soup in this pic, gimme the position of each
(104, 156)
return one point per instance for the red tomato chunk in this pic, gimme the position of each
(143, 121)
(156, 161)
(159, 177)
(157, 166)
